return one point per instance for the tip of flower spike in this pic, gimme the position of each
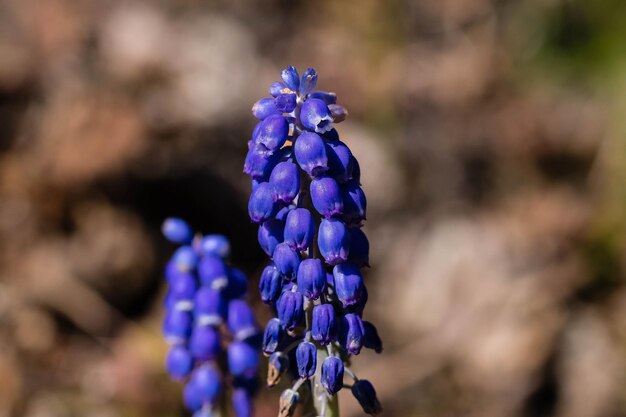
(176, 230)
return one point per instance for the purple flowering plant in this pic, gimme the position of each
(212, 332)
(308, 202)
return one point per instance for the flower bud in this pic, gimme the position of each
(210, 307)
(308, 82)
(270, 284)
(241, 322)
(332, 374)
(259, 163)
(243, 359)
(213, 272)
(192, 397)
(311, 278)
(287, 403)
(372, 339)
(176, 230)
(270, 234)
(365, 394)
(339, 161)
(185, 258)
(242, 402)
(290, 310)
(348, 283)
(285, 103)
(291, 78)
(306, 359)
(315, 116)
(354, 204)
(264, 108)
(277, 88)
(286, 260)
(214, 245)
(351, 333)
(285, 182)
(261, 205)
(338, 112)
(205, 343)
(359, 248)
(277, 365)
(272, 133)
(177, 326)
(208, 382)
(272, 336)
(310, 152)
(183, 287)
(326, 96)
(326, 196)
(299, 229)
(333, 241)
(178, 363)
(323, 327)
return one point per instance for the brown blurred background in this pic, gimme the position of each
(491, 140)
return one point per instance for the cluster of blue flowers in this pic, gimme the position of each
(310, 207)
(205, 312)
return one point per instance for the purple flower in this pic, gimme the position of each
(299, 229)
(205, 343)
(323, 327)
(213, 272)
(241, 322)
(259, 163)
(285, 103)
(177, 326)
(272, 133)
(286, 260)
(242, 402)
(311, 278)
(210, 307)
(272, 337)
(306, 358)
(365, 394)
(291, 78)
(214, 245)
(208, 382)
(332, 374)
(177, 230)
(285, 182)
(354, 204)
(339, 161)
(270, 234)
(264, 108)
(270, 284)
(351, 333)
(277, 88)
(348, 283)
(185, 258)
(179, 363)
(326, 196)
(308, 82)
(261, 205)
(333, 241)
(315, 116)
(243, 359)
(310, 152)
(290, 310)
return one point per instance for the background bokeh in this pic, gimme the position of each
(491, 140)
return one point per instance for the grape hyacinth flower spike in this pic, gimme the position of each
(205, 307)
(310, 207)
